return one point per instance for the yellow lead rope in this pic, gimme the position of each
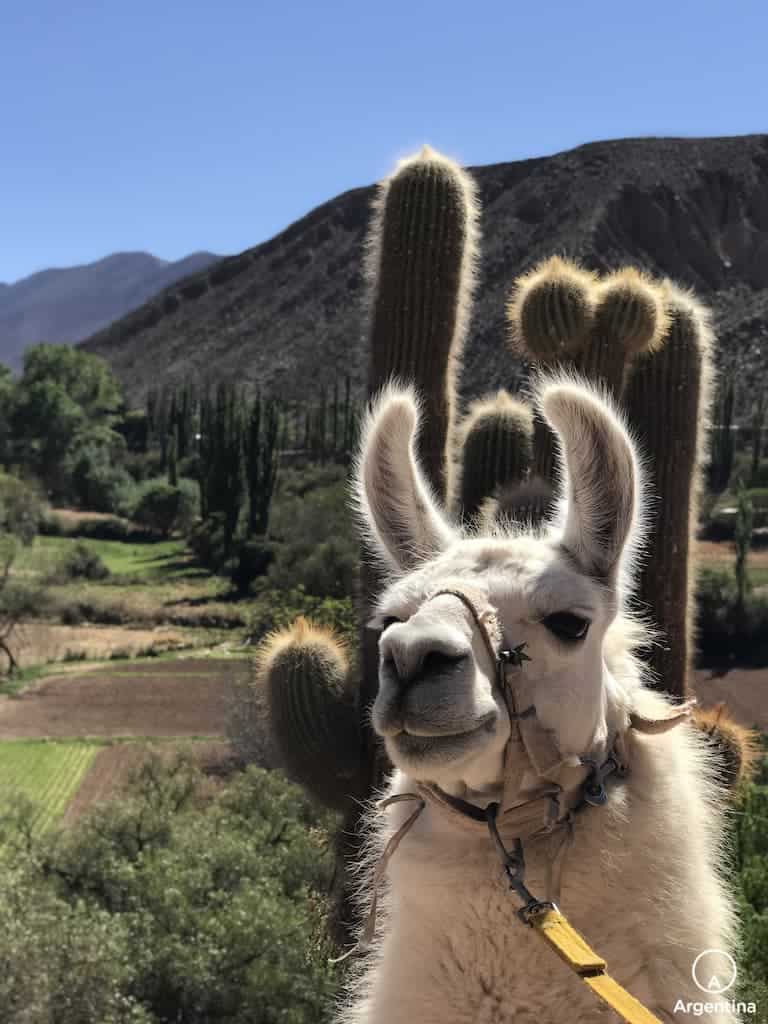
(571, 947)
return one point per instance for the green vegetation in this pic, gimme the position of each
(44, 773)
(168, 905)
(750, 857)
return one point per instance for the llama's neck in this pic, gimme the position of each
(453, 951)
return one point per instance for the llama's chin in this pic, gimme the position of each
(421, 756)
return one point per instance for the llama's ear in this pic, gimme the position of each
(600, 476)
(397, 508)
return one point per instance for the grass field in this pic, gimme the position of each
(49, 774)
(162, 560)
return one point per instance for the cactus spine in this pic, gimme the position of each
(303, 674)
(494, 448)
(668, 400)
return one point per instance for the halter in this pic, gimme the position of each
(550, 809)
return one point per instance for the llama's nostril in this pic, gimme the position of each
(434, 664)
(438, 663)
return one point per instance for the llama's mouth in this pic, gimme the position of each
(424, 744)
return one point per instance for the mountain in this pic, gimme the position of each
(289, 313)
(71, 304)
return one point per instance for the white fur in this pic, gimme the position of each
(642, 880)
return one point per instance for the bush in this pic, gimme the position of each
(163, 508)
(21, 508)
(252, 559)
(724, 633)
(274, 609)
(96, 483)
(325, 562)
(172, 907)
(83, 562)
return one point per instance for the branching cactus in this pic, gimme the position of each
(494, 450)
(629, 319)
(668, 399)
(550, 314)
(304, 676)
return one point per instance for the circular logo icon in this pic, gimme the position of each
(714, 971)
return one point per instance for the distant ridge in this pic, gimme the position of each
(289, 313)
(68, 304)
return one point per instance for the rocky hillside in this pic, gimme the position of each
(289, 313)
(73, 303)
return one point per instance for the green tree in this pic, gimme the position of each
(64, 399)
(20, 597)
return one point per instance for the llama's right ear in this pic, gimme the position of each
(600, 476)
(396, 505)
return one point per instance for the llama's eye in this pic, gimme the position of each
(566, 625)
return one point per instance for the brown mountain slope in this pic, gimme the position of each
(288, 313)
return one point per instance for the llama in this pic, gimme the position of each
(639, 875)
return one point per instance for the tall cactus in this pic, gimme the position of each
(494, 450)
(421, 256)
(304, 679)
(668, 400)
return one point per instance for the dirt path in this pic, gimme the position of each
(173, 698)
(112, 768)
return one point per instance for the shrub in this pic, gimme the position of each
(162, 507)
(96, 483)
(274, 609)
(252, 559)
(21, 508)
(307, 553)
(172, 906)
(725, 633)
(82, 562)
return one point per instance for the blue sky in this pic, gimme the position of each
(171, 126)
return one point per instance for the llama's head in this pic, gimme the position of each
(557, 590)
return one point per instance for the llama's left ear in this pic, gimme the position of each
(396, 505)
(600, 476)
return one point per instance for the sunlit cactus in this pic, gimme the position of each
(494, 449)
(550, 313)
(629, 319)
(668, 399)
(421, 256)
(303, 672)
(738, 748)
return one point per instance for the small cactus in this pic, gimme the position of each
(550, 313)
(303, 672)
(738, 748)
(629, 319)
(421, 256)
(494, 449)
(668, 400)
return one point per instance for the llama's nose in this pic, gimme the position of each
(407, 657)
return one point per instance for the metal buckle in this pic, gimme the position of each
(593, 789)
(513, 862)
